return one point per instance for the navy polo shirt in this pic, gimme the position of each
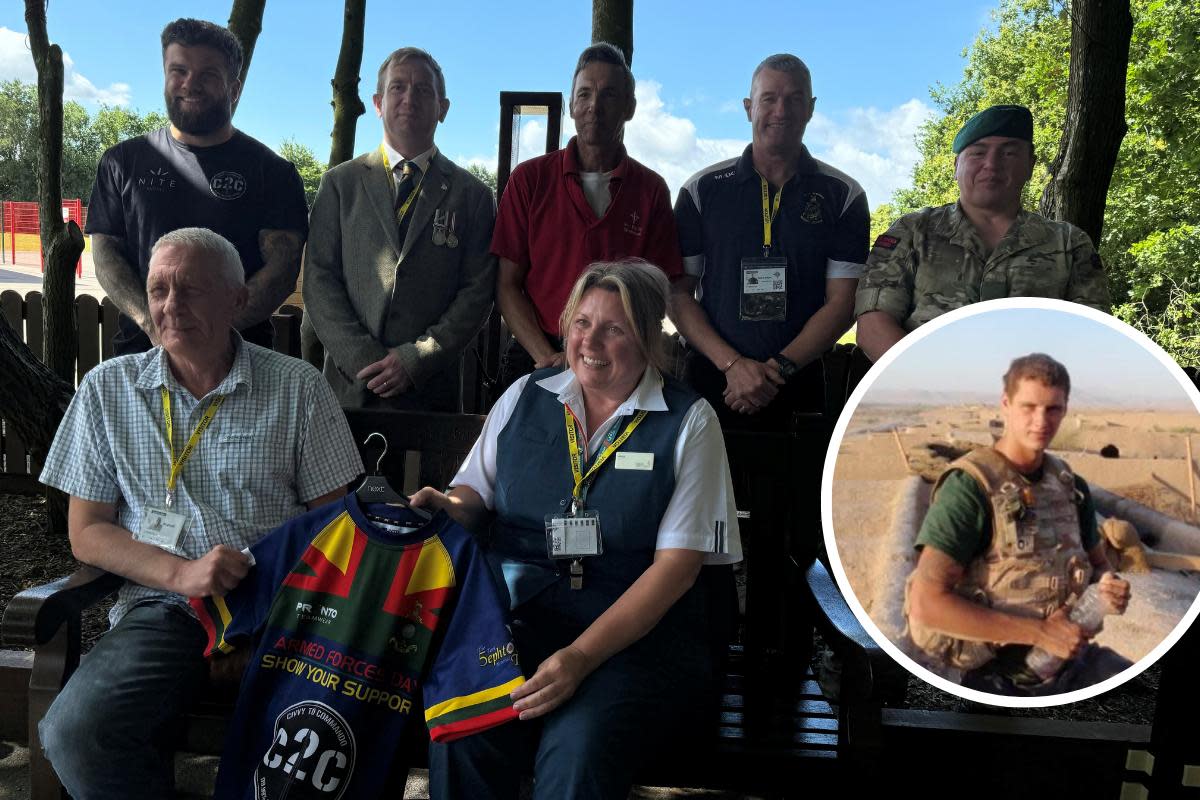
(823, 229)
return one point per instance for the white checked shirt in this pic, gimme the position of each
(277, 441)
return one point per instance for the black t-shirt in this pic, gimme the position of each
(151, 185)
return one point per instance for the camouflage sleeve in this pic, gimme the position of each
(888, 282)
(959, 521)
(1086, 281)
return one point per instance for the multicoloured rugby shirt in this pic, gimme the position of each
(355, 617)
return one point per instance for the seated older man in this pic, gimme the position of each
(175, 460)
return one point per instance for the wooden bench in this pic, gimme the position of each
(774, 731)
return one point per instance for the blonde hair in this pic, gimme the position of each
(643, 289)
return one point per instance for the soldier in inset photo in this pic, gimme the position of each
(1013, 581)
(1015, 527)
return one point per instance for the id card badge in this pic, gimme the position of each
(574, 537)
(764, 290)
(161, 528)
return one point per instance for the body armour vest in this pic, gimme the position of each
(1035, 562)
(533, 479)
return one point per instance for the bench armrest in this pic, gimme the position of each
(35, 615)
(869, 675)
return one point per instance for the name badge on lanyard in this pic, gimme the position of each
(576, 535)
(160, 526)
(764, 280)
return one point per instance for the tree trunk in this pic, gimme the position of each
(245, 21)
(62, 243)
(37, 397)
(612, 22)
(1095, 121)
(347, 106)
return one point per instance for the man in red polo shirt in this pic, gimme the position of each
(587, 202)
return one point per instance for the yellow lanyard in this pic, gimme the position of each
(177, 463)
(769, 212)
(582, 480)
(387, 166)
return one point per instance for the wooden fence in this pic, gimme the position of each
(97, 326)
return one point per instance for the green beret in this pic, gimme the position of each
(1013, 121)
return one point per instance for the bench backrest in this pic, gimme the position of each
(423, 449)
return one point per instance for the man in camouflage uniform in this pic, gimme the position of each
(983, 247)
(1009, 541)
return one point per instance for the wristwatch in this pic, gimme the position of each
(787, 367)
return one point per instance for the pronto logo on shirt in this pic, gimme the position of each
(632, 226)
(227, 185)
(490, 657)
(156, 180)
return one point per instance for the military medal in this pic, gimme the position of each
(439, 227)
(452, 237)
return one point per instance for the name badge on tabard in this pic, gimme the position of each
(161, 528)
(764, 290)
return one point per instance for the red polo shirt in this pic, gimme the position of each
(546, 224)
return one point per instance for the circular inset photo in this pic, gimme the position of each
(1010, 502)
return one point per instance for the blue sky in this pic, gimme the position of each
(872, 64)
(1106, 360)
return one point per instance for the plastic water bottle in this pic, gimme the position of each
(1088, 613)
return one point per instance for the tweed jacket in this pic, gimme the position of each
(366, 292)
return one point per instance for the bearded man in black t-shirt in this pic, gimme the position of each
(197, 172)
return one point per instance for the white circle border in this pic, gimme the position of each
(839, 431)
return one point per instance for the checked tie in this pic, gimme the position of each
(410, 178)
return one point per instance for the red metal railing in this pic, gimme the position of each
(23, 218)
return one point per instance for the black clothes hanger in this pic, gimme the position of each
(376, 489)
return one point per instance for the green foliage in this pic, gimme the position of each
(85, 138)
(307, 165)
(882, 219)
(1150, 242)
(484, 174)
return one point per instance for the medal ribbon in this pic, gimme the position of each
(582, 480)
(769, 212)
(193, 440)
(387, 165)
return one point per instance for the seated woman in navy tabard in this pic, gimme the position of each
(614, 643)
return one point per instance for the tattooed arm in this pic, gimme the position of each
(272, 284)
(121, 282)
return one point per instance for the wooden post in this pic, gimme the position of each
(900, 447)
(1191, 473)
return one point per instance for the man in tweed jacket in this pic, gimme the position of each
(397, 274)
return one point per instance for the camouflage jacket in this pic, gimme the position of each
(933, 261)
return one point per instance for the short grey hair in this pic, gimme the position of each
(643, 289)
(218, 250)
(405, 53)
(785, 62)
(604, 53)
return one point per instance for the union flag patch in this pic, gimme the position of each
(886, 242)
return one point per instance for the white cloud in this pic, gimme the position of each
(877, 147)
(669, 144)
(16, 61)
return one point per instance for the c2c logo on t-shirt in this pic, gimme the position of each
(227, 185)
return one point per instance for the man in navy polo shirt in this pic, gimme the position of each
(587, 202)
(775, 241)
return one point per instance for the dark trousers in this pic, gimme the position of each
(803, 394)
(107, 734)
(515, 361)
(593, 745)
